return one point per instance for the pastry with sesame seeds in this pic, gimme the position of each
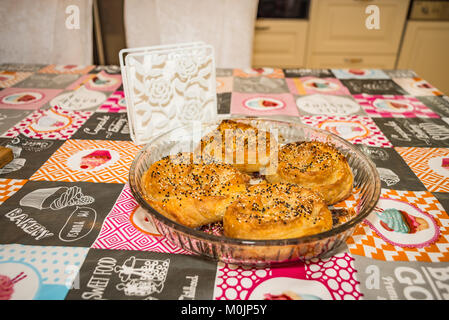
(244, 146)
(276, 211)
(191, 191)
(315, 165)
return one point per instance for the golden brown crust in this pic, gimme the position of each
(315, 165)
(238, 143)
(192, 193)
(276, 211)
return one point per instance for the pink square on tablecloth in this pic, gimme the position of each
(123, 229)
(314, 85)
(115, 103)
(101, 81)
(26, 99)
(355, 129)
(263, 104)
(393, 106)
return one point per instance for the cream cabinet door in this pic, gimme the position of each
(339, 26)
(425, 50)
(279, 43)
(348, 61)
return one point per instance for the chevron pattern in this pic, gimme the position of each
(56, 168)
(119, 233)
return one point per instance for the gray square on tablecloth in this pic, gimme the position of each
(57, 213)
(224, 103)
(48, 81)
(439, 104)
(9, 117)
(300, 72)
(143, 275)
(104, 126)
(21, 67)
(373, 86)
(400, 73)
(402, 280)
(415, 132)
(260, 85)
(223, 72)
(29, 155)
(393, 171)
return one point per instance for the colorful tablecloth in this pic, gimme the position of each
(70, 229)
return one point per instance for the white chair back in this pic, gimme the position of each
(228, 25)
(46, 31)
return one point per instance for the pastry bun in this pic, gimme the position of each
(315, 165)
(276, 211)
(192, 193)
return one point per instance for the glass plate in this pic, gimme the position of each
(258, 252)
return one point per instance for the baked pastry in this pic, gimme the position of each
(240, 144)
(276, 211)
(315, 165)
(192, 193)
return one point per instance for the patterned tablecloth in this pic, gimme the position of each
(70, 229)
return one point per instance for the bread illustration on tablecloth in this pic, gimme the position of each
(56, 198)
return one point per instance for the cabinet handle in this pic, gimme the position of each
(262, 28)
(353, 60)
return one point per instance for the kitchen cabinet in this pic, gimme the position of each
(338, 35)
(425, 50)
(280, 43)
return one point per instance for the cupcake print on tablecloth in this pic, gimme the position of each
(54, 123)
(259, 72)
(101, 81)
(355, 129)
(25, 275)
(417, 86)
(360, 74)
(263, 104)
(394, 106)
(26, 99)
(402, 224)
(89, 160)
(406, 226)
(315, 85)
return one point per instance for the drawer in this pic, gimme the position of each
(339, 26)
(345, 61)
(279, 43)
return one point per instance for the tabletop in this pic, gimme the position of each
(70, 228)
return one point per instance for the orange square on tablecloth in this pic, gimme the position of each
(8, 187)
(431, 165)
(429, 242)
(89, 160)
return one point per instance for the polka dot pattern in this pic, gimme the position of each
(234, 282)
(337, 274)
(55, 264)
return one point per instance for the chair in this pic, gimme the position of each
(228, 25)
(40, 31)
